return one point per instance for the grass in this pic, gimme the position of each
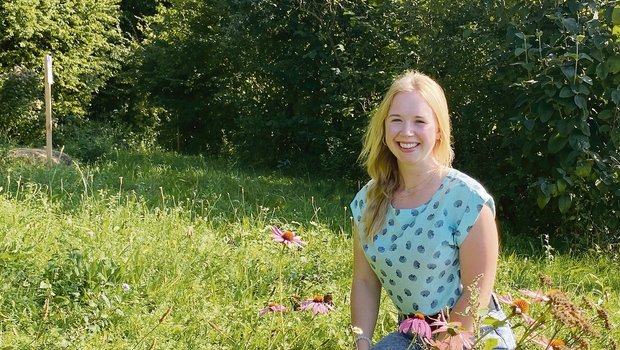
(188, 237)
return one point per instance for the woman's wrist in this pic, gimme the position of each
(362, 338)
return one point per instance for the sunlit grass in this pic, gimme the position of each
(190, 238)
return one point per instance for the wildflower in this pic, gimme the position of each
(272, 307)
(288, 238)
(519, 307)
(318, 304)
(554, 344)
(126, 287)
(91, 234)
(604, 316)
(457, 338)
(357, 330)
(416, 324)
(568, 313)
(537, 296)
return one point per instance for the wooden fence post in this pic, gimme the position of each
(49, 80)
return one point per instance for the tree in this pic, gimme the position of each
(83, 36)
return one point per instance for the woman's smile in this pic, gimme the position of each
(411, 129)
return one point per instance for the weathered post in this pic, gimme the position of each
(49, 80)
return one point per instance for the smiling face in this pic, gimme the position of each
(411, 130)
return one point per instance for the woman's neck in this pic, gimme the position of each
(414, 177)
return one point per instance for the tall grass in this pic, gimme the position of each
(153, 250)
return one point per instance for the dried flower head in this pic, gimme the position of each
(545, 280)
(602, 314)
(568, 313)
(583, 343)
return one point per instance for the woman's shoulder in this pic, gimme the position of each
(466, 188)
(460, 180)
(359, 201)
(360, 196)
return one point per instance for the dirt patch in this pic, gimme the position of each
(40, 155)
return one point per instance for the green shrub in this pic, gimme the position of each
(22, 117)
(563, 137)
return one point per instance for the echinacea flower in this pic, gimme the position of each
(288, 237)
(519, 307)
(457, 338)
(318, 304)
(272, 307)
(416, 324)
(553, 344)
(537, 296)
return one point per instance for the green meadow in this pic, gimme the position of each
(155, 250)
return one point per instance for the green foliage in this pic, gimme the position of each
(82, 36)
(91, 140)
(295, 82)
(563, 135)
(532, 87)
(21, 106)
(160, 248)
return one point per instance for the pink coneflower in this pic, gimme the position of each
(553, 344)
(318, 304)
(457, 337)
(288, 238)
(537, 296)
(519, 307)
(272, 307)
(416, 324)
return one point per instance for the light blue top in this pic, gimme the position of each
(416, 254)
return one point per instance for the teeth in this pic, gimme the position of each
(407, 145)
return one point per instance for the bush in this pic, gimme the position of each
(22, 117)
(562, 136)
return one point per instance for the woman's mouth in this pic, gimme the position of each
(408, 145)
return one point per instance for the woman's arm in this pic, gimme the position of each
(365, 294)
(478, 256)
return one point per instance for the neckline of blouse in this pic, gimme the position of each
(443, 182)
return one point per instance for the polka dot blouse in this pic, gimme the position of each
(416, 254)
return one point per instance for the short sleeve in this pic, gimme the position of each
(476, 200)
(358, 204)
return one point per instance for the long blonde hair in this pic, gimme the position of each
(380, 163)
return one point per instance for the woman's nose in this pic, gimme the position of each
(408, 128)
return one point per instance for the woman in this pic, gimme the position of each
(423, 230)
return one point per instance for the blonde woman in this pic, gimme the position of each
(423, 230)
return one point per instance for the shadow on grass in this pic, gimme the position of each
(206, 186)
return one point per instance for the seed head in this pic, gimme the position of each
(522, 304)
(557, 344)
